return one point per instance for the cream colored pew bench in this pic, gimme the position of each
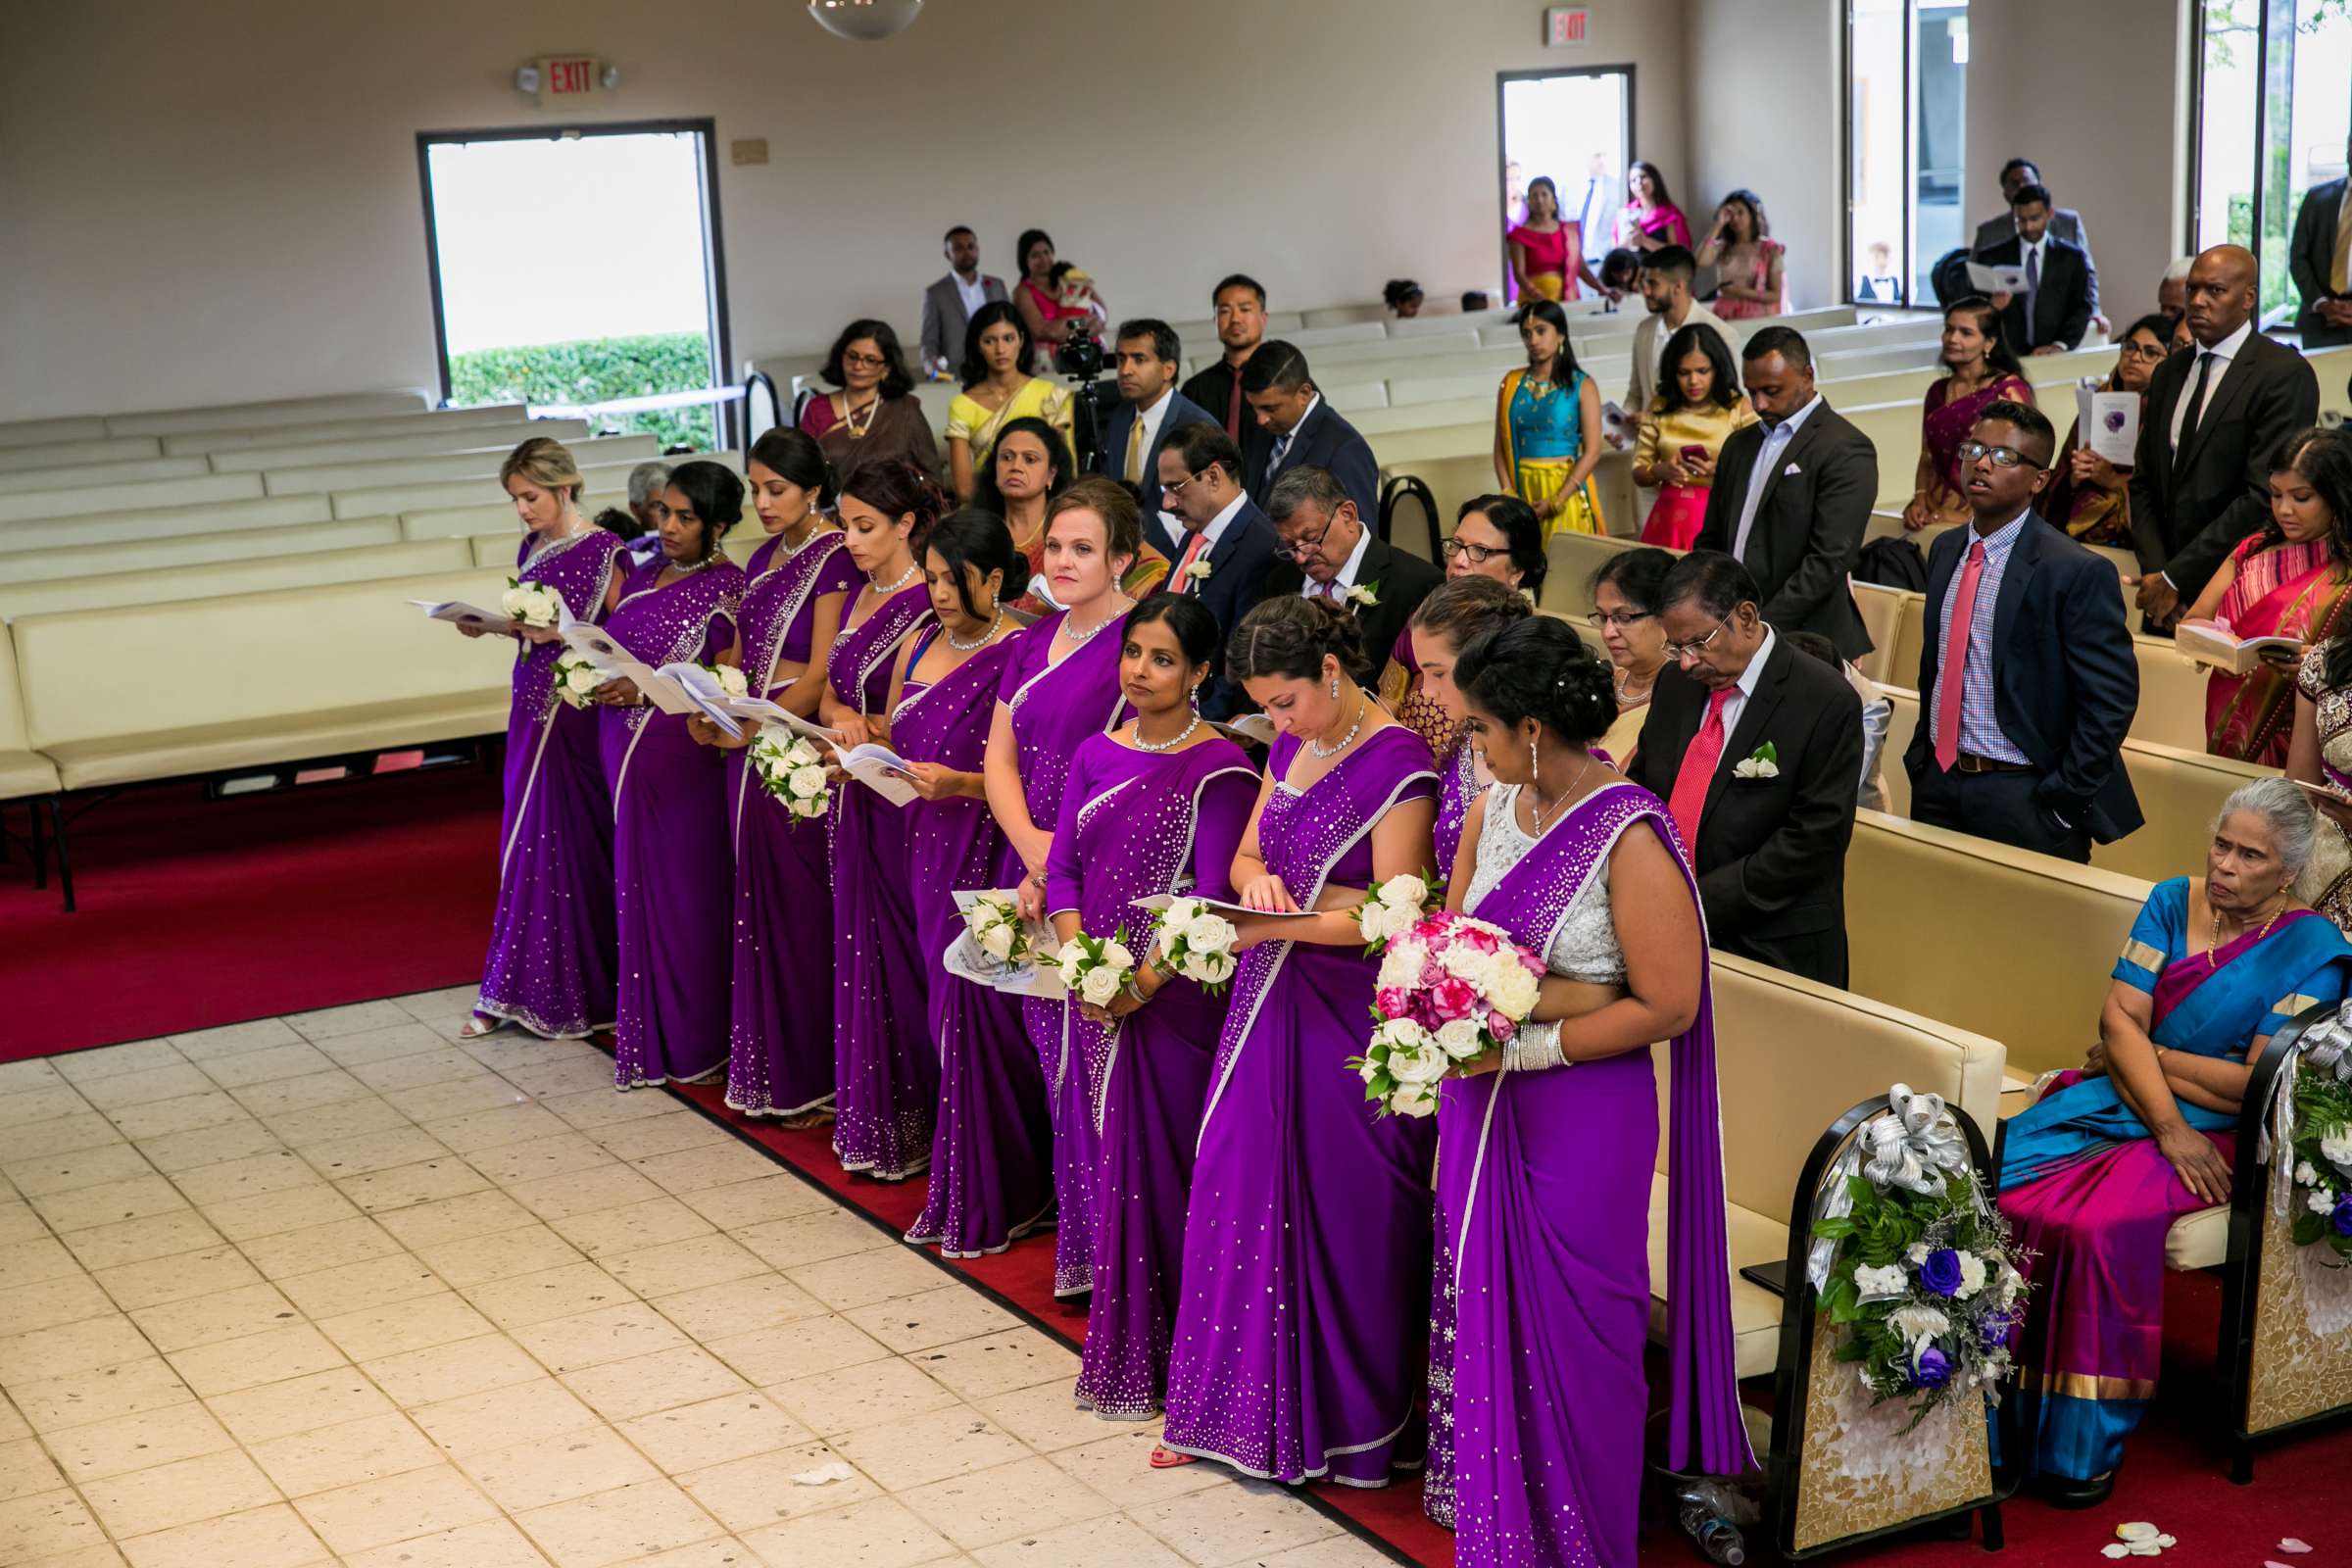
(433, 422)
(146, 693)
(94, 426)
(187, 550)
(24, 774)
(163, 522)
(1791, 1055)
(500, 436)
(218, 579)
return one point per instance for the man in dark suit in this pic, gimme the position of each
(2055, 309)
(1792, 495)
(1755, 748)
(1222, 547)
(2065, 223)
(1328, 550)
(2026, 683)
(1240, 304)
(2320, 261)
(1149, 409)
(948, 304)
(2215, 414)
(1306, 432)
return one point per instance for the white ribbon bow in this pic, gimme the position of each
(1914, 1146)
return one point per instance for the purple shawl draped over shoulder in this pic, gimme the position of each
(780, 1038)
(550, 963)
(991, 1143)
(1546, 1177)
(1135, 824)
(672, 867)
(1301, 1338)
(1055, 707)
(878, 989)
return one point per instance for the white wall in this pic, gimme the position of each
(1766, 97)
(2088, 93)
(220, 201)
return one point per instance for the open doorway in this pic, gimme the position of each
(1575, 126)
(580, 269)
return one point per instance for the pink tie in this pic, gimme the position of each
(1184, 567)
(1951, 675)
(1690, 780)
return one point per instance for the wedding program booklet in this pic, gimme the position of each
(2212, 642)
(878, 767)
(1024, 977)
(2109, 423)
(1248, 728)
(1224, 906)
(710, 698)
(457, 613)
(1996, 279)
(616, 662)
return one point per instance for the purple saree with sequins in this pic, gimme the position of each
(1300, 1346)
(550, 965)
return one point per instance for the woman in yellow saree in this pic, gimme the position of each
(1548, 427)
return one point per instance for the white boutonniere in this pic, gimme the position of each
(1198, 572)
(1364, 595)
(1763, 762)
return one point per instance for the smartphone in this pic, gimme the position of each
(1695, 455)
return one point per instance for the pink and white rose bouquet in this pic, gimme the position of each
(1451, 989)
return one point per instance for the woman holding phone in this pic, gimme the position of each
(1683, 431)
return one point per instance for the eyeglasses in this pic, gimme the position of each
(2145, 350)
(1678, 651)
(1479, 555)
(1169, 492)
(2002, 457)
(1302, 548)
(872, 361)
(1603, 619)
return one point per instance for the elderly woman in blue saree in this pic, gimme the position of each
(2094, 1174)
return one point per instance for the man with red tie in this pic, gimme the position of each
(2027, 679)
(1755, 748)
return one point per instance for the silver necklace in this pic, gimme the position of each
(905, 577)
(1536, 793)
(1347, 740)
(1079, 639)
(1182, 735)
(964, 647)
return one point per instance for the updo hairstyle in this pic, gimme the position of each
(1540, 669)
(970, 536)
(1288, 637)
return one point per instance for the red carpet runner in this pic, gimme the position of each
(196, 913)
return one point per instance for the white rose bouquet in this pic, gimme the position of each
(1097, 968)
(730, 680)
(576, 681)
(1393, 906)
(534, 604)
(994, 924)
(1451, 989)
(1195, 943)
(790, 770)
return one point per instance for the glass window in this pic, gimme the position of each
(1907, 87)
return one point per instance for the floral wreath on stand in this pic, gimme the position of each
(1913, 1263)
(2310, 1117)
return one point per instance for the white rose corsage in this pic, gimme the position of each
(790, 770)
(731, 681)
(533, 604)
(994, 921)
(1195, 943)
(1198, 572)
(1763, 762)
(576, 681)
(1097, 968)
(1364, 595)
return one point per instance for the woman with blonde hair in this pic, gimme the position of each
(550, 965)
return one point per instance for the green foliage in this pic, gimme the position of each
(596, 371)
(2322, 1111)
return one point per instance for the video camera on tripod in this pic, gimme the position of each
(1081, 360)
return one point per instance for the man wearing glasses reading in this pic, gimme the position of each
(1222, 545)
(1326, 551)
(2027, 679)
(1755, 749)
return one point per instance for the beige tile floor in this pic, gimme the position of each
(336, 1288)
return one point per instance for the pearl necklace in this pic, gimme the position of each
(1182, 735)
(963, 646)
(1315, 746)
(905, 577)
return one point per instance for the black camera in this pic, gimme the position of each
(1080, 357)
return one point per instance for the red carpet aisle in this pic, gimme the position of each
(198, 912)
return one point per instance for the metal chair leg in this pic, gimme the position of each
(1991, 1517)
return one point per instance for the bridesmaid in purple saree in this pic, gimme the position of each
(992, 1145)
(550, 967)
(1545, 1173)
(884, 1066)
(1442, 625)
(780, 1037)
(1061, 685)
(1155, 806)
(1299, 1349)
(671, 869)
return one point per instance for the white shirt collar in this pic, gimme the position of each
(2228, 348)
(1754, 672)
(1796, 421)
(1153, 413)
(1345, 577)
(1224, 519)
(1312, 404)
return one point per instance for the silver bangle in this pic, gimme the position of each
(1536, 1046)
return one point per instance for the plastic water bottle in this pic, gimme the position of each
(1703, 1521)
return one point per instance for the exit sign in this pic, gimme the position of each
(568, 79)
(1564, 26)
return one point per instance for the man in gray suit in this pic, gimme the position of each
(948, 304)
(2320, 263)
(2065, 223)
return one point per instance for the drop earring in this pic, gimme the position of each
(1533, 768)
(1335, 687)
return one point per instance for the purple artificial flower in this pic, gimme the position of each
(2341, 1219)
(1932, 1369)
(1993, 1331)
(1941, 1273)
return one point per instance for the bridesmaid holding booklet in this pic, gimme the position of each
(550, 965)
(880, 978)
(780, 1034)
